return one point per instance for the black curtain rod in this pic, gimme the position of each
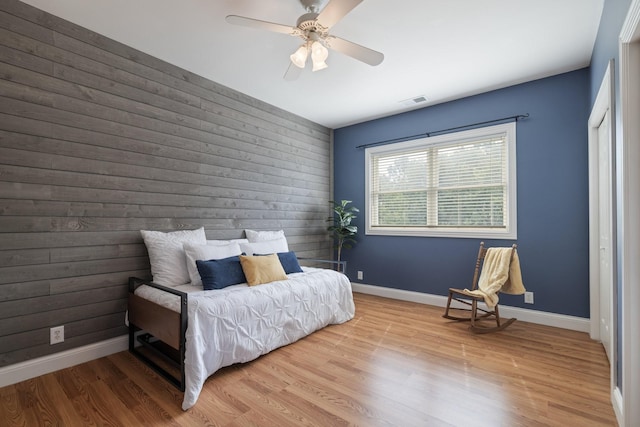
(429, 134)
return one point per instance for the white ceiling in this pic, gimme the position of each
(442, 49)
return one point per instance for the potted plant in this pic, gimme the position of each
(341, 229)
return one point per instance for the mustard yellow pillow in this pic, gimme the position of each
(262, 269)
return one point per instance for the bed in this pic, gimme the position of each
(187, 333)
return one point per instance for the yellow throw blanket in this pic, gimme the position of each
(500, 273)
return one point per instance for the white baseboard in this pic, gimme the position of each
(617, 402)
(43, 365)
(534, 316)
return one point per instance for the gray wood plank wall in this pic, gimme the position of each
(99, 141)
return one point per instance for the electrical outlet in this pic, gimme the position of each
(360, 275)
(528, 297)
(57, 335)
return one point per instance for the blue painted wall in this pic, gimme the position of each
(552, 196)
(606, 45)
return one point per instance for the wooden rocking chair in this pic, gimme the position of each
(475, 314)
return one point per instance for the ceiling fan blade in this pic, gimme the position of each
(361, 53)
(335, 11)
(292, 72)
(261, 25)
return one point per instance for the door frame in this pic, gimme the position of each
(605, 102)
(628, 156)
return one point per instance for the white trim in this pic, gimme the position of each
(44, 365)
(533, 316)
(602, 104)
(41, 366)
(617, 403)
(629, 227)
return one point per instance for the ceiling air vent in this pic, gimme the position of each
(414, 101)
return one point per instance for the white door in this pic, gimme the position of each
(604, 198)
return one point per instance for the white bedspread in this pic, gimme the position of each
(240, 323)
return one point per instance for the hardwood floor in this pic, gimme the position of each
(395, 364)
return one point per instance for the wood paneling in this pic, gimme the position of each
(98, 141)
(396, 363)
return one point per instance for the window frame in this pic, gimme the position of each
(509, 232)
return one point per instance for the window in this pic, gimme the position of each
(460, 184)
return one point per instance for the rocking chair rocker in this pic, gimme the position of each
(476, 314)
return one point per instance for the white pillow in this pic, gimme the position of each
(225, 242)
(206, 252)
(166, 255)
(266, 247)
(261, 236)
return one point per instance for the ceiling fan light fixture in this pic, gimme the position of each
(319, 54)
(313, 27)
(299, 57)
(317, 66)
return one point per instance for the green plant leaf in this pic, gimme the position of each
(342, 230)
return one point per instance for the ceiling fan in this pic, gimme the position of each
(313, 27)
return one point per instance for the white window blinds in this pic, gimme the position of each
(459, 182)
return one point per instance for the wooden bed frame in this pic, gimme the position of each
(159, 330)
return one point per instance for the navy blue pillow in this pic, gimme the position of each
(289, 262)
(220, 273)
